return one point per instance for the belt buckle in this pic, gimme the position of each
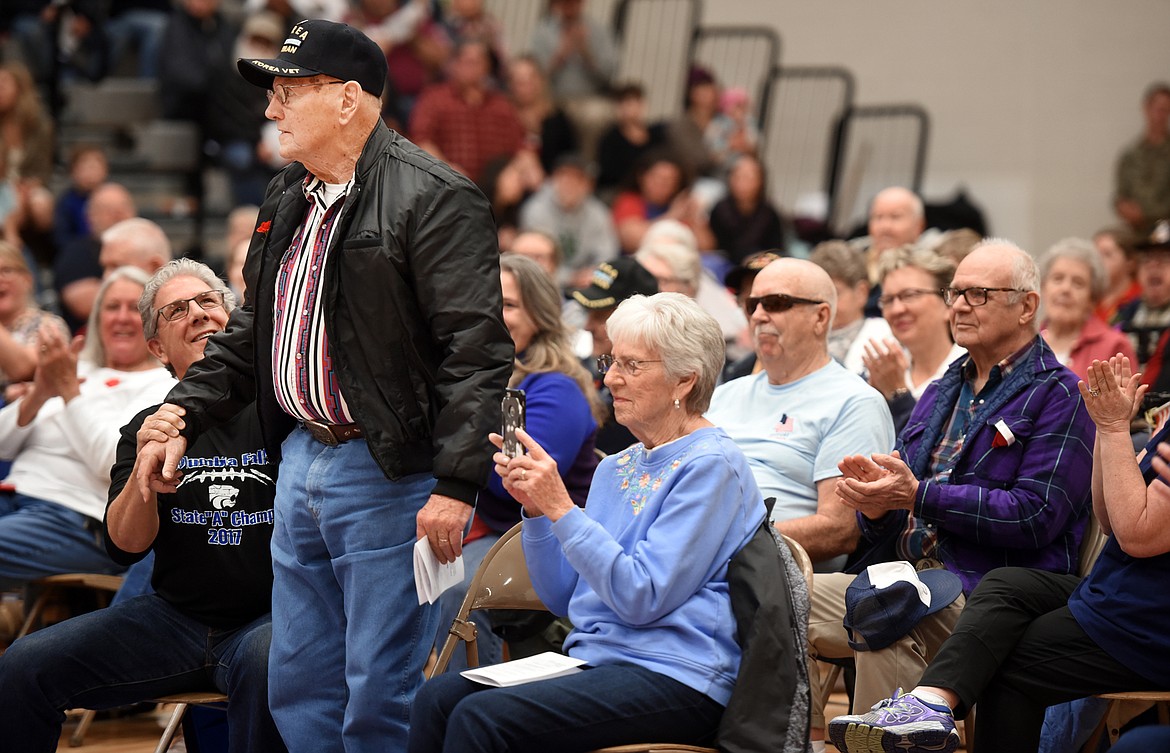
(321, 433)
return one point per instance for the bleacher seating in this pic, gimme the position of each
(814, 139)
(805, 105)
(875, 146)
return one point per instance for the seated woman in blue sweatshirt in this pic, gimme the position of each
(562, 411)
(641, 571)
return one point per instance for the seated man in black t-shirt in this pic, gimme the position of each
(207, 626)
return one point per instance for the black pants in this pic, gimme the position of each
(1016, 650)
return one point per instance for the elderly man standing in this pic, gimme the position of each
(993, 469)
(373, 341)
(799, 416)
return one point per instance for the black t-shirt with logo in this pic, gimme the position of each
(212, 558)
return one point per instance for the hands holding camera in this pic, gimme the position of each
(532, 478)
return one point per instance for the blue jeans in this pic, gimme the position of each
(140, 649)
(39, 538)
(490, 646)
(137, 580)
(617, 704)
(349, 639)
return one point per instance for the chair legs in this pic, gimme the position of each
(1159, 700)
(77, 739)
(172, 728)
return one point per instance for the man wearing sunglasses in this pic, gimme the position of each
(373, 343)
(993, 469)
(803, 412)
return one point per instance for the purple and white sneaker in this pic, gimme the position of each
(902, 724)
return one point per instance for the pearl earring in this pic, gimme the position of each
(677, 404)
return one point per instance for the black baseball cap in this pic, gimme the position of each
(615, 281)
(322, 48)
(750, 267)
(1158, 239)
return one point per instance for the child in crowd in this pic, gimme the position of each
(731, 133)
(88, 169)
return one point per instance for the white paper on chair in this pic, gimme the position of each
(432, 577)
(530, 669)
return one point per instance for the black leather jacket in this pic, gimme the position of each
(412, 310)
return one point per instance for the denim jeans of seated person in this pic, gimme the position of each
(140, 649)
(39, 538)
(616, 704)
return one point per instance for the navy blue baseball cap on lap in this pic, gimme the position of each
(322, 48)
(884, 602)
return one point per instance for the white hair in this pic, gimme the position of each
(686, 338)
(146, 238)
(684, 262)
(673, 231)
(178, 268)
(1078, 249)
(1025, 273)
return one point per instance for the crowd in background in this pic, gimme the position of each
(604, 203)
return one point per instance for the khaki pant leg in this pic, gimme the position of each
(826, 635)
(901, 664)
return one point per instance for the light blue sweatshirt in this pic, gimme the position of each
(642, 570)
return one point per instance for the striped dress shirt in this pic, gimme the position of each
(302, 361)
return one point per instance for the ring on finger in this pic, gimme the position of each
(523, 474)
(1094, 392)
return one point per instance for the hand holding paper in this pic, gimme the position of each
(431, 577)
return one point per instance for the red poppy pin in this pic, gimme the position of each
(112, 382)
(1003, 435)
(264, 226)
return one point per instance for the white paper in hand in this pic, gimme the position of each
(530, 669)
(432, 577)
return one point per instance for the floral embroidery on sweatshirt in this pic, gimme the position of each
(638, 484)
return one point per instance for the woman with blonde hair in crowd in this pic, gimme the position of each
(20, 319)
(912, 281)
(25, 130)
(63, 433)
(562, 411)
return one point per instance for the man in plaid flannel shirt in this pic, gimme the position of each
(993, 469)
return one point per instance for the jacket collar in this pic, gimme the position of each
(1033, 366)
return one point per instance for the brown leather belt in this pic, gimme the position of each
(332, 434)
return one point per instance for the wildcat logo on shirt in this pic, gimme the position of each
(222, 495)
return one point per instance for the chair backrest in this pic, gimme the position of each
(802, 560)
(1091, 545)
(502, 580)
